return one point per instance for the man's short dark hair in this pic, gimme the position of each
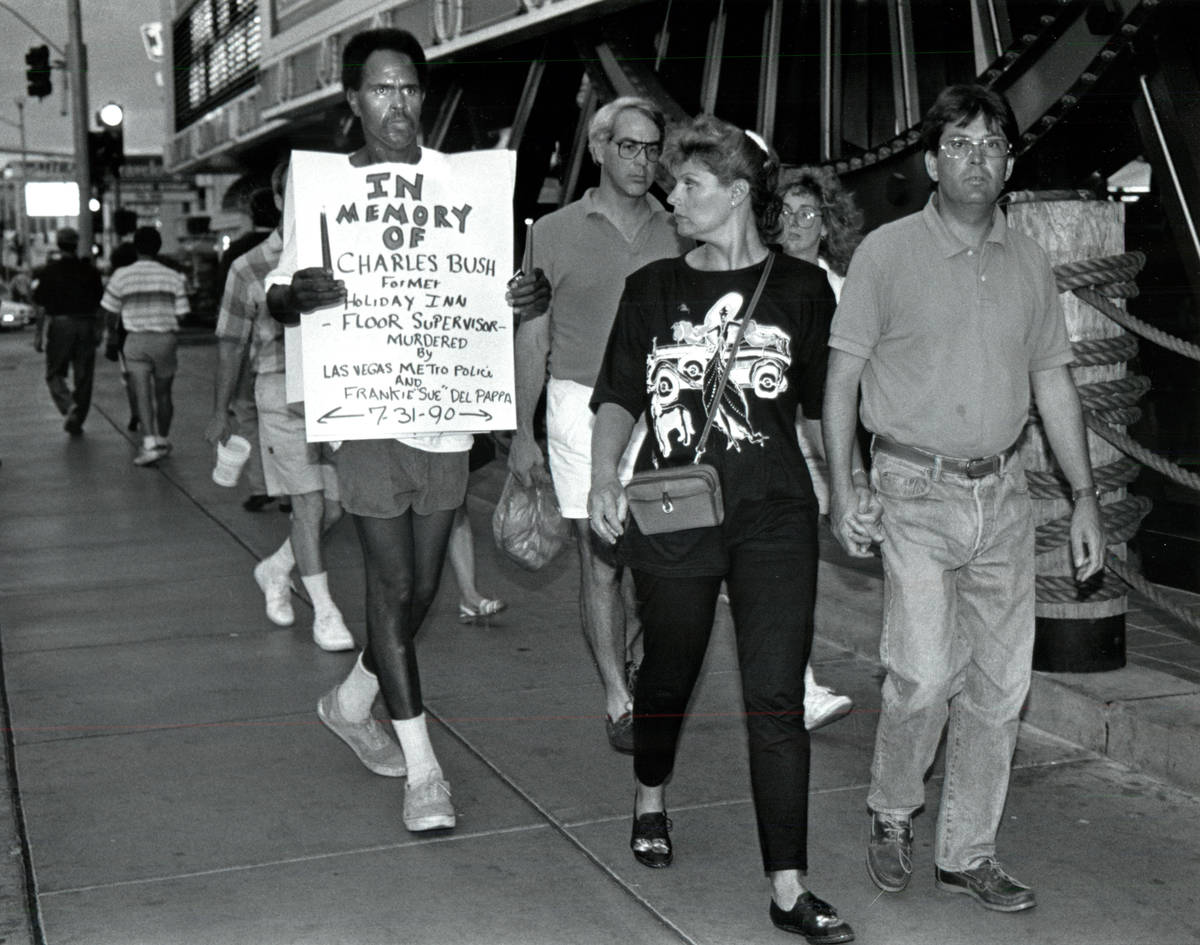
(961, 104)
(361, 45)
(147, 241)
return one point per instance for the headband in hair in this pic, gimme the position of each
(758, 139)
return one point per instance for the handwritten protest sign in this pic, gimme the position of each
(423, 342)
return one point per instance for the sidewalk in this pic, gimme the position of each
(176, 786)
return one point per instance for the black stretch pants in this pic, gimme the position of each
(771, 593)
(71, 346)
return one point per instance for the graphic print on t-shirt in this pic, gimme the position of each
(695, 363)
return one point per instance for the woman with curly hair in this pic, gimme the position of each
(674, 315)
(819, 221)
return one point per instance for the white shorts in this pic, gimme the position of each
(291, 465)
(569, 422)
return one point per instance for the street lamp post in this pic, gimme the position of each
(76, 64)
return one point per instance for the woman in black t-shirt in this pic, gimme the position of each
(676, 322)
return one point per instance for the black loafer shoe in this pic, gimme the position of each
(257, 502)
(990, 885)
(813, 918)
(651, 840)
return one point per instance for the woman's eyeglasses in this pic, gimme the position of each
(804, 216)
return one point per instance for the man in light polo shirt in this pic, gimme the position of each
(291, 465)
(949, 319)
(586, 250)
(149, 299)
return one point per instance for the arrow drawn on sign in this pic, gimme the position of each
(334, 415)
(473, 413)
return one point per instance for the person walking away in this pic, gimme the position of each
(67, 293)
(149, 299)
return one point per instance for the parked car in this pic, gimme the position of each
(15, 315)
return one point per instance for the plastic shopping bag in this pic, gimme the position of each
(527, 525)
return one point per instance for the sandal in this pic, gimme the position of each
(651, 840)
(485, 608)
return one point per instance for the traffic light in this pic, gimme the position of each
(37, 76)
(106, 154)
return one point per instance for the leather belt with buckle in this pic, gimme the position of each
(971, 468)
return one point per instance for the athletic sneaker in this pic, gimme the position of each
(330, 633)
(149, 455)
(366, 739)
(822, 705)
(277, 589)
(427, 805)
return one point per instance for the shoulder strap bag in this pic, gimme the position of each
(678, 498)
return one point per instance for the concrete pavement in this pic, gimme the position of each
(173, 785)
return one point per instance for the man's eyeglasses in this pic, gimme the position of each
(958, 148)
(630, 149)
(804, 216)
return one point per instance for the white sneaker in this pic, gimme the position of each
(366, 739)
(277, 589)
(149, 455)
(427, 805)
(330, 633)
(822, 705)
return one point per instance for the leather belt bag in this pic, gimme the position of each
(971, 468)
(676, 498)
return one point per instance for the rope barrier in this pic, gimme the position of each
(1190, 617)
(1121, 520)
(1056, 589)
(1136, 325)
(1091, 352)
(1109, 477)
(1133, 448)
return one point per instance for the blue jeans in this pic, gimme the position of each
(957, 642)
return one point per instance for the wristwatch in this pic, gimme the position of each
(1077, 494)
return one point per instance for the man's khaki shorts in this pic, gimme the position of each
(291, 465)
(151, 352)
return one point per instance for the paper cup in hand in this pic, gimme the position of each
(231, 457)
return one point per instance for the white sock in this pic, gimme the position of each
(317, 586)
(282, 559)
(149, 442)
(161, 440)
(356, 693)
(810, 681)
(418, 749)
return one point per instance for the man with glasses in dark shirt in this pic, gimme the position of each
(586, 250)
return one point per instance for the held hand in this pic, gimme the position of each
(217, 430)
(529, 295)
(868, 514)
(855, 530)
(607, 509)
(525, 459)
(1088, 541)
(316, 288)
